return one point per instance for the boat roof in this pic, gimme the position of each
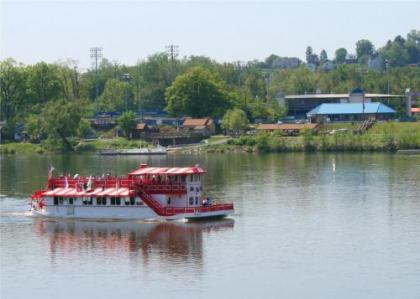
(70, 192)
(168, 170)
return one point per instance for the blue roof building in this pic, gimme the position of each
(352, 111)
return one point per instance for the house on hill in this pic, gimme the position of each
(140, 129)
(204, 126)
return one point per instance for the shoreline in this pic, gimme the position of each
(281, 147)
(383, 137)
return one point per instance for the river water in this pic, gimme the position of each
(306, 226)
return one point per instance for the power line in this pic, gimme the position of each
(95, 55)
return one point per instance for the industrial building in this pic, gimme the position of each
(300, 105)
(352, 111)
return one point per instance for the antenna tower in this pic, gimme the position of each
(95, 55)
(173, 51)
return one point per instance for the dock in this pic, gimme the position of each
(409, 152)
(134, 151)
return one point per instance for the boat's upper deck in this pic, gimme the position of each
(165, 180)
(170, 171)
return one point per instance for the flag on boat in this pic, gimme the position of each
(50, 172)
(89, 183)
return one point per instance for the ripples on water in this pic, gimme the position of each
(307, 226)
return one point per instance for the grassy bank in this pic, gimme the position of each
(79, 147)
(21, 147)
(388, 137)
(104, 144)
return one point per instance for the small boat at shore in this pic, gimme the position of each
(146, 193)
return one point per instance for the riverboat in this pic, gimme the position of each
(146, 193)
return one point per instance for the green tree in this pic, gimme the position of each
(12, 89)
(43, 83)
(259, 108)
(113, 96)
(396, 53)
(61, 120)
(198, 93)
(151, 78)
(34, 127)
(340, 55)
(69, 79)
(268, 62)
(235, 121)
(254, 83)
(308, 54)
(364, 49)
(275, 111)
(323, 57)
(84, 129)
(127, 121)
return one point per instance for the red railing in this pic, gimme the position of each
(38, 194)
(164, 189)
(217, 207)
(171, 211)
(153, 204)
(151, 187)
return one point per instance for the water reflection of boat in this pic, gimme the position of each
(174, 240)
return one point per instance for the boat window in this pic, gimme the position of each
(90, 201)
(191, 201)
(118, 201)
(60, 200)
(132, 201)
(101, 201)
(112, 201)
(196, 200)
(70, 200)
(183, 179)
(55, 200)
(191, 188)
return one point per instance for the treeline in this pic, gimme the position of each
(395, 53)
(54, 100)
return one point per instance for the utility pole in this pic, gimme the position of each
(268, 76)
(95, 55)
(239, 66)
(173, 51)
(387, 64)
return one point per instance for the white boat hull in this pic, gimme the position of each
(109, 212)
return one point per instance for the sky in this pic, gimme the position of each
(129, 31)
